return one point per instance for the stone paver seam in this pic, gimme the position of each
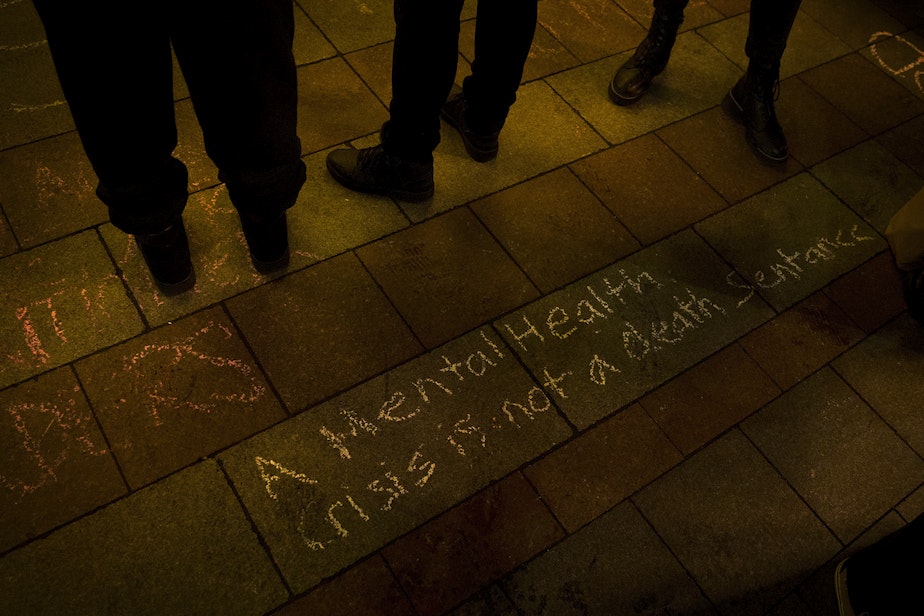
(869, 403)
(667, 547)
(256, 360)
(255, 529)
(789, 485)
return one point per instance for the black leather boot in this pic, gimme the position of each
(373, 170)
(482, 146)
(167, 256)
(268, 242)
(750, 102)
(634, 77)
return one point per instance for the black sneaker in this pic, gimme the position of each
(166, 254)
(268, 243)
(482, 147)
(373, 170)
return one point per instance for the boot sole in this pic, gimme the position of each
(170, 289)
(734, 110)
(624, 101)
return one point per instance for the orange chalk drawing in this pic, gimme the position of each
(48, 433)
(916, 65)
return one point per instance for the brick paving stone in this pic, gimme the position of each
(334, 105)
(177, 394)
(615, 565)
(599, 343)
(555, 210)
(351, 26)
(912, 506)
(446, 560)
(603, 466)
(663, 195)
(838, 82)
(826, 441)
(709, 398)
(731, 7)
(792, 605)
(8, 244)
(871, 181)
(906, 142)
(697, 79)
(736, 526)
(124, 559)
(368, 588)
(373, 64)
(310, 44)
(446, 276)
(814, 128)
(350, 475)
(590, 29)
(55, 463)
(713, 145)
(546, 56)
(854, 22)
(58, 302)
(791, 240)
(695, 15)
(489, 602)
(801, 340)
(31, 103)
(322, 330)
(49, 190)
(871, 295)
(886, 370)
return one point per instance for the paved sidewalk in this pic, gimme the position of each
(623, 369)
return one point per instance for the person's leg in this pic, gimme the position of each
(503, 36)
(632, 80)
(424, 61)
(236, 57)
(751, 101)
(884, 578)
(113, 63)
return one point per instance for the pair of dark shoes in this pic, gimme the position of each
(750, 101)
(167, 255)
(376, 171)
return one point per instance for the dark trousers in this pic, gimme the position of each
(886, 577)
(114, 63)
(768, 30)
(424, 64)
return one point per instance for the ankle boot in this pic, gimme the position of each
(166, 254)
(483, 145)
(750, 102)
(634, 77)
(373, 170)
(268, 242)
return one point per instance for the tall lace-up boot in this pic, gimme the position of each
(634, 77)
(750, 102)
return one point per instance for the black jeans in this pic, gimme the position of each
(424, 64)
(114, 63)
(768, 29)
